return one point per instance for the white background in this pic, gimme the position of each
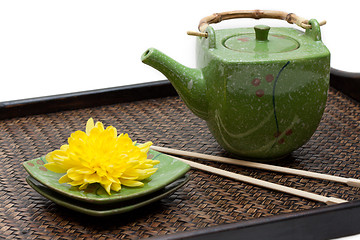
(53, 47)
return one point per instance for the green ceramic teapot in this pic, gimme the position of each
(262, 91)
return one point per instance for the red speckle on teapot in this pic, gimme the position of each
(260, 93)
(256, 82)
(269, 78)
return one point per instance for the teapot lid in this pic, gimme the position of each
(261, 41)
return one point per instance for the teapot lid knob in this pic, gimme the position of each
(262, 32)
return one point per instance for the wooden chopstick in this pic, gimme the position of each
(349, 181)
(262, 183)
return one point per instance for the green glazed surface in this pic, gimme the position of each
(169, 170)
(107, 209)
(259, 103)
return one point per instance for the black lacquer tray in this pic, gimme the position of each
(208, 206)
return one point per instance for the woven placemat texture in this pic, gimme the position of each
(206, 200)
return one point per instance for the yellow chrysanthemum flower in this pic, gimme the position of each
(100, 156)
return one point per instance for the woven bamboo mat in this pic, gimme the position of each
(206, 200)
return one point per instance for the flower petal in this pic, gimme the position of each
(76, 183)
(145, 147)
(55, 167)
(89, 125)
(85, 171)
(74, 175)
(132, 183)
(106, 184)
(64, 147)
(64, 179)
(83, 186)
(116, 187)
(99, 126)
(146, 173)
(93, 178)
(112, 131)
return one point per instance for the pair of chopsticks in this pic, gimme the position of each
(315, 197)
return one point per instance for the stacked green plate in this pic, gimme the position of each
(170, 176)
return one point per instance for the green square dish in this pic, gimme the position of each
(105, 209)
(169, 170)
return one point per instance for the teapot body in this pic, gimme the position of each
(263, 105)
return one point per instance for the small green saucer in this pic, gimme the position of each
(169, 170)
(105, 209)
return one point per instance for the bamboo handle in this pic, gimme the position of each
(257, 14)
(349, 181)
(265, 184)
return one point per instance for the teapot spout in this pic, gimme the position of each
(188, 82)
